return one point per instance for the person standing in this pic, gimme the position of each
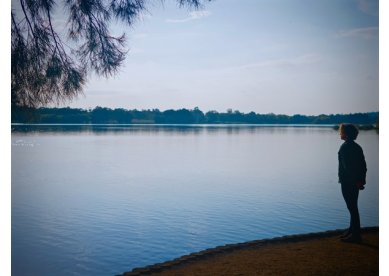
(352, 177)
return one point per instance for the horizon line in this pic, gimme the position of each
(194, 108)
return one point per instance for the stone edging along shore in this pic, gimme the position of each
(233, 247)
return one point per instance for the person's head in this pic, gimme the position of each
(348, 132)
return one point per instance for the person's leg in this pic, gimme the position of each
(354, 212)
(350, 195)
(347, 200)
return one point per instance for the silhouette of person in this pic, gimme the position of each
(352, 177)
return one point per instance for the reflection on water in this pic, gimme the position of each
(104, 199)
(152, 128)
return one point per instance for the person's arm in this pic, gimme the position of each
(362, 168)
(361, 185)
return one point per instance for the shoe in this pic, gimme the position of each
(345, 234)
(352, 239)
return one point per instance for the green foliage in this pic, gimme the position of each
(103, 115)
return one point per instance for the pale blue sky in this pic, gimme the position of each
(280, 56)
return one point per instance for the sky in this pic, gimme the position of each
(280, 56)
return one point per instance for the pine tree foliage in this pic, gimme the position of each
(48, 68)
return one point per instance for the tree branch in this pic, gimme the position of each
(25, 15)
(54, 36)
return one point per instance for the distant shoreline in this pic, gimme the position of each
(101, 115)
(170, 124)
(32, 127)
(335, 126)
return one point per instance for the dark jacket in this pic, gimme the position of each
(352, 164)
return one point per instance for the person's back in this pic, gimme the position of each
(352, 164)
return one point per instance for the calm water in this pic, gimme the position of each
(103, 200)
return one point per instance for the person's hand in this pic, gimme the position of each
(360, 185)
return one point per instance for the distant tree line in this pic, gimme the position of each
(103, 115)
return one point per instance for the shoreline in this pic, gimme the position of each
(225, 251)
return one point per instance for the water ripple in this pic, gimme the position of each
(117, 201)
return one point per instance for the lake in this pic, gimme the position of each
(101, 200)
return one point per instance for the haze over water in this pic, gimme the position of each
(105, 200)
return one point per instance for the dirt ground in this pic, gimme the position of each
(320, 256)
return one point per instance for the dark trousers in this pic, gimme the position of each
(350, 194)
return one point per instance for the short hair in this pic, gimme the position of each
(350, 130)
